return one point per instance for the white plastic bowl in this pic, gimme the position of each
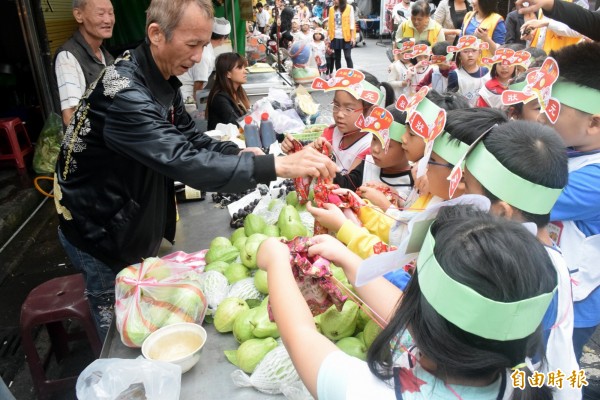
(178, 344)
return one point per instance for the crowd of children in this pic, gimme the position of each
(495, 189)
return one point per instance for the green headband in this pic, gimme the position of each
(518, 87)
(429, 110)
(397, 131)
(449, 149)
(368, 86)
(507, 186)
(472, 312)
(581, 98)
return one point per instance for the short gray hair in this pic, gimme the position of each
(168, 13)
(79, 4)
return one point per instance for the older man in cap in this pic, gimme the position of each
(196, 77)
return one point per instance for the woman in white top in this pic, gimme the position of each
(455, 312)
(450, 14)
(342, 32)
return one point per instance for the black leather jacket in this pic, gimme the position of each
(129, 138)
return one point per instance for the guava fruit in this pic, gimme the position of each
(238, 233)
(240, 242)
(263, 327)
(370, 332)
(362, 320)
(235, 272)
(339, 274)
(292, 198)
(271, 231)
(254, 224)
(252, 351)
(260, 281)
(361, 335)
(292, 229)
(287, 215)
(353, 346)
(243, 325)
(317, 319)
(220, 241)
(227, 312)
(216, 266)
(227, 254)
(248, 253)
(337, 325)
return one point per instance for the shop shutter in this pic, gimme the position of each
(59, 21)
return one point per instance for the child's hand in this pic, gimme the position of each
(320, 142)
(330, 248)
(288, 144)
(269, 251)
(331, 217)
(375, 196)
(422, 185)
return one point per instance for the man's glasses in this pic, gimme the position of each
(345, 110)
(447, 165)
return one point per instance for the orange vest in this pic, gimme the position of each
(347, 31)
(432, 35)
(489, 23)
(552, 41)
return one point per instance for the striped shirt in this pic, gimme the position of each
(70, 79)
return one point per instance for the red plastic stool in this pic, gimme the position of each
(16, 143)
(49, 304)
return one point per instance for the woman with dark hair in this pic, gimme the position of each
(227, 101)
(464, 308)
(450, 14)
(420, 26)
(342, 32)
(485, 23)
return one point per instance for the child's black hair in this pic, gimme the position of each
(533, 152)
(448, 101)
(319, 33)
(440, 48)
(399, 116)
(387, 88)
(468, 124)
(577, 63)
(537, 56)
(500, 260)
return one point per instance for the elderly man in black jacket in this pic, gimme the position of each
(130, 138)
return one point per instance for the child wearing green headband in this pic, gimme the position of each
(384, 166)
(467, 334)
(577, 210)
(522, 167)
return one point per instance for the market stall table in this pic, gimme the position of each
(199, 223)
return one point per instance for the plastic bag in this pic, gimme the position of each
(156, 293)
(273, 372)
(116, 378)
(283, 121)
(305, 105)
(279, 99)
(48, 145)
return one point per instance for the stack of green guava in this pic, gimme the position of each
(244, 311)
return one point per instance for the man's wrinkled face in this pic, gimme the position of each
(184, 48)
(97, 18)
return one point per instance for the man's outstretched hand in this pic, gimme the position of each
(307, 162)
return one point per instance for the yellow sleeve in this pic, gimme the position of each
(376, 221)
(358, 239)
